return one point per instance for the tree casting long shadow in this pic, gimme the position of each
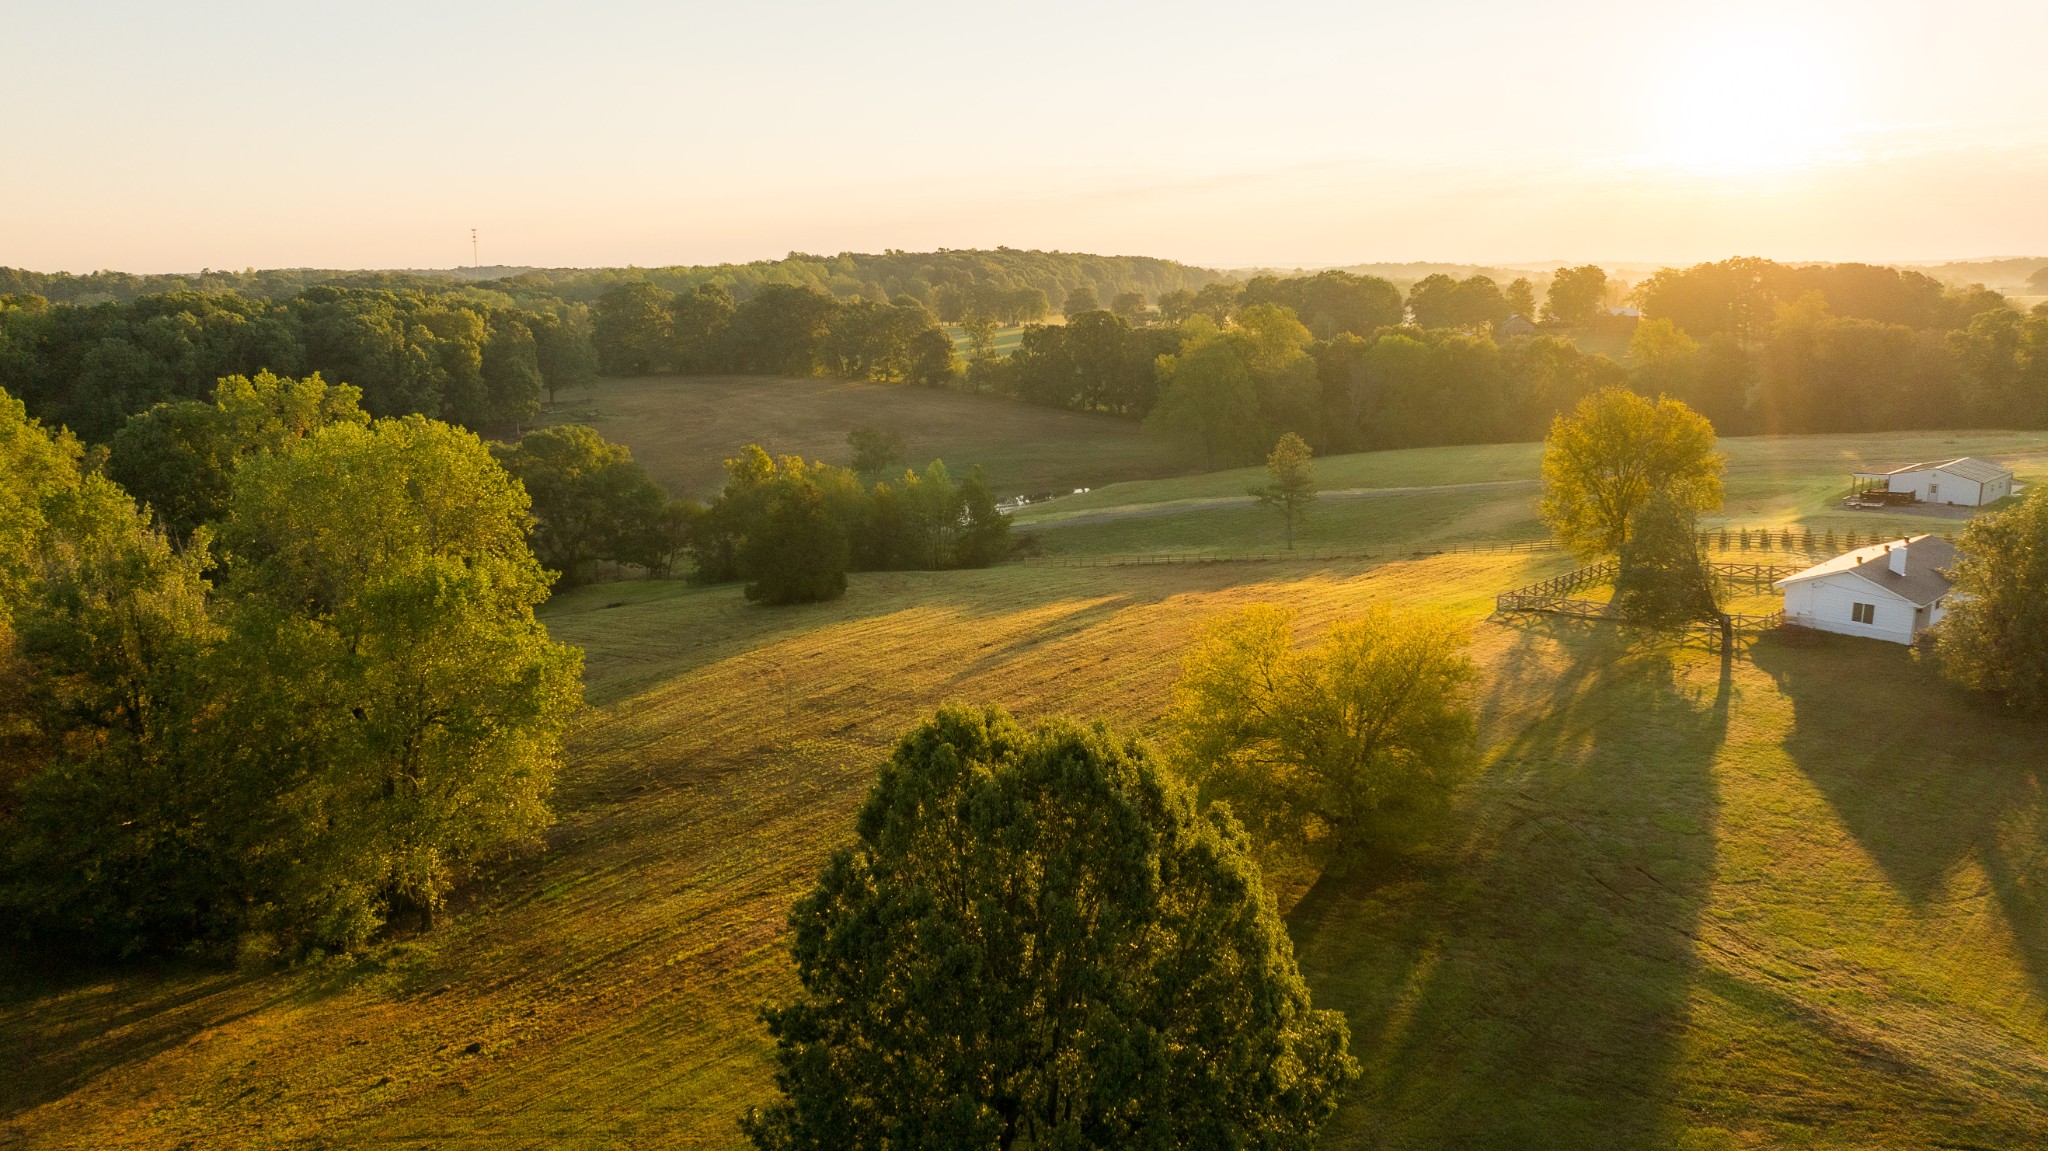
(1526, 983)
(1924, 777)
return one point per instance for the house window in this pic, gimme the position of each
(1863, 612)
(1933, 492)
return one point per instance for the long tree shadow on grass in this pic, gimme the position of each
(1926, 778)
(1525, 984)
(64, 1024)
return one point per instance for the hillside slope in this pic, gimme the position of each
(683, 428)
(1462, 494)
(1792, 899)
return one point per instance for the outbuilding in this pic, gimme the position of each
(1968, 482)
(1890, 591)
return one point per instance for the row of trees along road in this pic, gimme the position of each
(321, 711)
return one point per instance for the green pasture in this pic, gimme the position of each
(1489, 492)
(1788, 899)
(1006, 342)
(682, 428)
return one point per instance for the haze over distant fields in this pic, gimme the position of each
(152, 137)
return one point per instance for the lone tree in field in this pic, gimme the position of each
(1612, 454)
(1663, 580)
(1332, 747)
(1292, 481)
(1037, 940)
(1995, 636)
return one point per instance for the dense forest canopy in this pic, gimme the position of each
(874, 276)
(1346, 360)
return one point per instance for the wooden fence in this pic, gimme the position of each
(1554, 596)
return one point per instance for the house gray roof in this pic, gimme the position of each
(1928, 559)
(1972, 468)
(1968, 467)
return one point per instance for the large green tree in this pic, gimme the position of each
(1037, 940)
(796, 551)
(984, 535)
(1995, 636)
(1335, 748)
(1575, 295)
(385, 674)
(179, 459)
(591, 500)
(633, 329)
(1612, 454)
(117, 835)
(1662, 576)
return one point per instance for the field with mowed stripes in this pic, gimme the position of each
(1793, 898)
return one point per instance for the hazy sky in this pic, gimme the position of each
(170, 136)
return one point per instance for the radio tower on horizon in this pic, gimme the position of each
(473, 260)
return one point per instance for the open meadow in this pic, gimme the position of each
(682, 428)
(1789, 898)
(1434, 497)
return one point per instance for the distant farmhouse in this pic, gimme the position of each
(1968, 482)
(1891, 591)
(1515, 325)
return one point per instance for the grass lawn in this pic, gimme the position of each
(1006, 341)
(683, 428)
(1792, 899)
(1772, 481)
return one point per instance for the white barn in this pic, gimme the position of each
(1890, 591)
(1969, 482)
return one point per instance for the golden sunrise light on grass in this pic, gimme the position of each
(1324, 575)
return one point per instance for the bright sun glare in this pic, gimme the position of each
(1749, 100)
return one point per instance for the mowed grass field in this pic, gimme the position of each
(1441, 496)
(1006, 341)
(683, 428)
(1790, 899)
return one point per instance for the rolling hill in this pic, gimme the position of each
(1789, 898)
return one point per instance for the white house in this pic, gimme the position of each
(1891, 591)
(1969, 481)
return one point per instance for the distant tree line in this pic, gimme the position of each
(89, 351)
(928, 276)
(781, 330)
(1347, 363)
(471, 359)
(1754, 345)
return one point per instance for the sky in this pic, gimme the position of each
(170, 136)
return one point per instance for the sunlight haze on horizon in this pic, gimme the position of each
(154, 138)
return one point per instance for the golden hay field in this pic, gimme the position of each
(1792, 899)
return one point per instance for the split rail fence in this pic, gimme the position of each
(1555, 596)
